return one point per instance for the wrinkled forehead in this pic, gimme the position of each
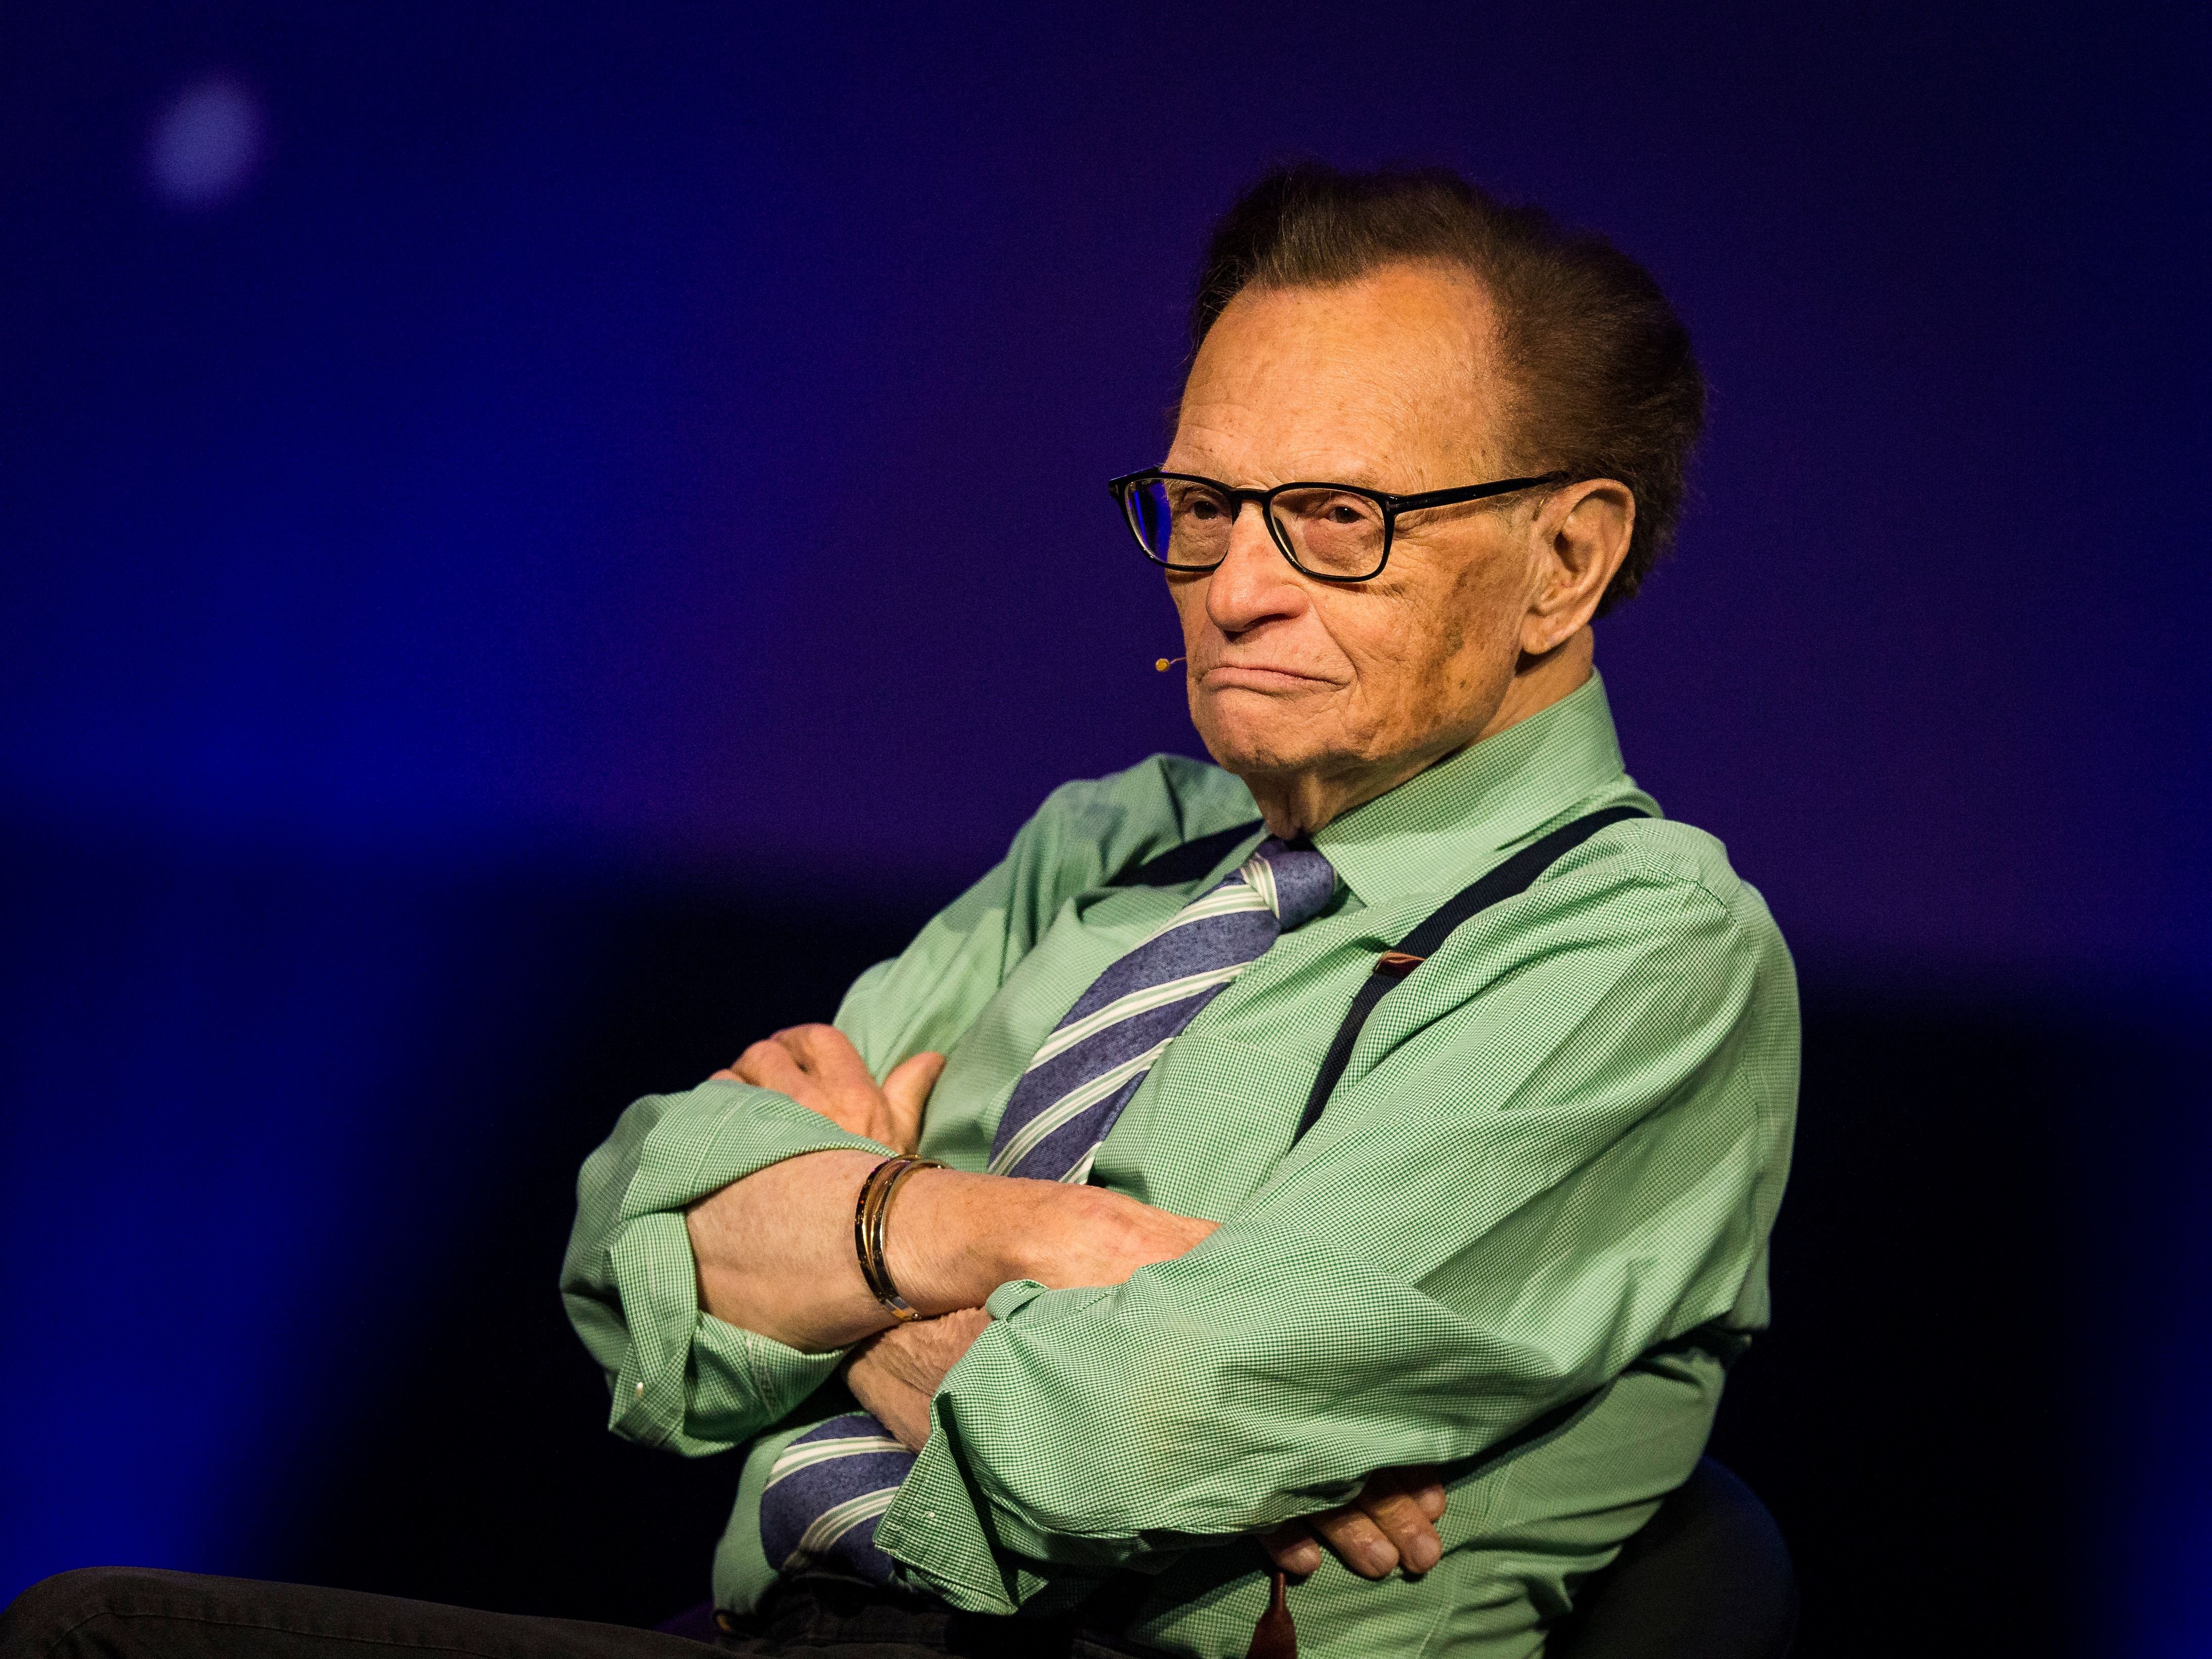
(1388, 380)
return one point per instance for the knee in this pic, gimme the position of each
(45, 1614)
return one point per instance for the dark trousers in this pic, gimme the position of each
(133, 1613)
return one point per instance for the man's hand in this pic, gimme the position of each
(896, 1374)
(953, 1234)
(1392, 1524)
(819, 1067)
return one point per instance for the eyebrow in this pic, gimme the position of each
(1357, 477)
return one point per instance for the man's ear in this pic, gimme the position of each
(1581, 535)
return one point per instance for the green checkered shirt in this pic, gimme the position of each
(1522, 1241)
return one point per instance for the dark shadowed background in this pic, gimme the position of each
(536, 541)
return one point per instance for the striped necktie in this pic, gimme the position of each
(830, 1486)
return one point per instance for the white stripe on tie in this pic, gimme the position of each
(806, 1456)
(1261, 875)
(1137, 1002)
(834, 1522)
(1072, 1105)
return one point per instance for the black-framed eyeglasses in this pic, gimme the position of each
(1333, 533)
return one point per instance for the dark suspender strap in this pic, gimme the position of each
(1187, 862)
(1508, 880)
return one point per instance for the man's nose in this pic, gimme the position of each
(1254, 582)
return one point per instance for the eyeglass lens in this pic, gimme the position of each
(1187, 526)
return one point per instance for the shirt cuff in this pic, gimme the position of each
(738, 1376)
(686, 1380)
(942, 1528)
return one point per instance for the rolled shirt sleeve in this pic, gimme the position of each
(680, 1377)
(1559, 1143)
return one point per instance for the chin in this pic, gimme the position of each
(1252, 748)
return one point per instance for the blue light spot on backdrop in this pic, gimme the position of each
(206, 144)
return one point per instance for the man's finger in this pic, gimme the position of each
(1420, 1481)
(769, 1065)
(1291, 1547)
(826, 1052)
(1398, 1514)
(1357, 1541)
(908, 1085)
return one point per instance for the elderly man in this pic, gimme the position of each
(1143, 1311)
(1356, 1157)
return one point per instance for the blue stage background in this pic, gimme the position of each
(534, 541)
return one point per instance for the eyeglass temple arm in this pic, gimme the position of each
(1470, 493)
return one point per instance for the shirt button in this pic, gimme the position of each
(641, 1391)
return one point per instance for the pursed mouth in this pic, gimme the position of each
(1255, 678)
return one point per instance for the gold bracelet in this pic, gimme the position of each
(869, 1215)
(863, 1219)
(871, 1219)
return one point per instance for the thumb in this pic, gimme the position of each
(907, 1086)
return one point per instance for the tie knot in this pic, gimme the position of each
(1296, 881)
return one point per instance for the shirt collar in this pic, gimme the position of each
(1436, 828)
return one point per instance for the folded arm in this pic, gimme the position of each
(1390, 1523)
(776, 1257)
(775, 1250)
(711, 1271)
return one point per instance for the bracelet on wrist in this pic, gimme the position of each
(871, 1214)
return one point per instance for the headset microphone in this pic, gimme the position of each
(1161, 665)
